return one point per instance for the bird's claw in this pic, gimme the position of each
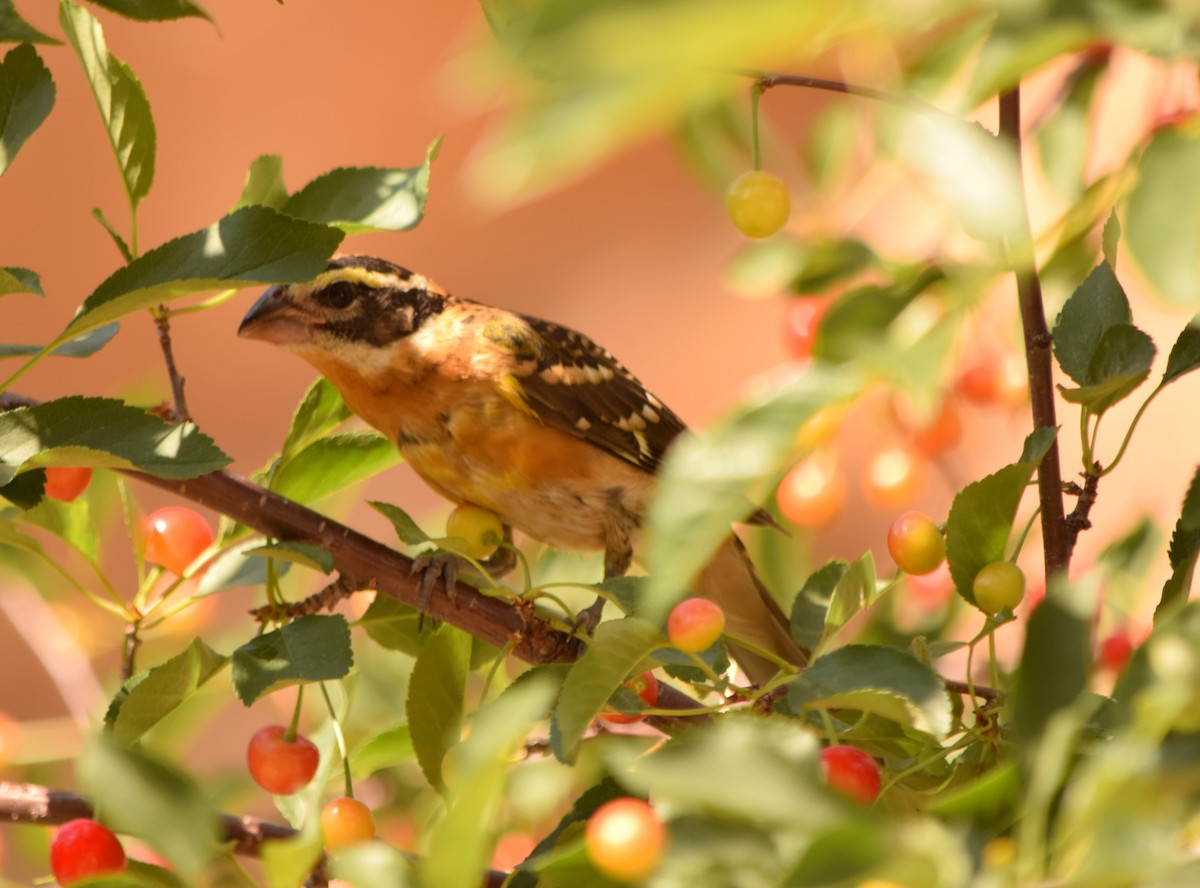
(434, 566)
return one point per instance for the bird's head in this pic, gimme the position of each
(356, 303)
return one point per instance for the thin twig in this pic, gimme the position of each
(983, 692)
(162, 319)
(1056, 542)
(133, 641)
(1079, 520)
(765, 80)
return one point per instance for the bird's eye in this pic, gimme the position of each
(338, 295)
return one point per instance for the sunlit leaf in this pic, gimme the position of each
(314, 647)
(77, 431)
(264, 184)
(251, 246)
(386, 749)
(435, 698)
(406, 528)
(150, 697)
(330, 464)
(119, 95)
(26, 98)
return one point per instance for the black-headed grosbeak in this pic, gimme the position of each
(521, 416)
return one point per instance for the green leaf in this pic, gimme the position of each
(289, 862)
(876, 679)
(1055, 663)
(14, 29)
(78, 431)
(253, 246)
(149, 698)
(71, 522)
(1111, 238)
(26, 490)
(408, 531)
(328, 465)
(234, 568)
(14, 279)
(1185, 353)
(1098, 304)
(460, 843)
(1120, 364)
(264, 184)
(374, 863)
(982, 514)
(314, 647)
(841, 852)
(859, 320)
(1163, 220)
(80, 347)
(393, 625)
(811, 605)
(384, 750)
(435, 698)
(1182, 554)
(309, 555)
(321, 411)
(118, 241)
(152, 800)
(617, 647)
(26, 98)
(119, 95)
(154, 10)
(855, 590)
(1063, 140)
(706, 479)
(361, 199)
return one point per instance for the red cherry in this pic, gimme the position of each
(82, 849)
(346, 821)
(646, 687)
(811, 494)
(625, 839)
(916, 544)
(278, 765)
(851, 772)
(803, 320)
(1115, 651)
(942, 434)
(175, 536)
(893, 477)
(694, 624)
(65, 483)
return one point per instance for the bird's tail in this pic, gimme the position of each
(751, 612)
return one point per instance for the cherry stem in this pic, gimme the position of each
(294, 726)
(341, 741)
(756, 91)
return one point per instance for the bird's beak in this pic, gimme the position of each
(277, 319)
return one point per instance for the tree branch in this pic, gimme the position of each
(1056, 544)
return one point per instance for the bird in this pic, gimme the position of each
(521, 416)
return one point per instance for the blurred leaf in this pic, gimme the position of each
(804, 267)
(386, 749)
(155, 10)
(973, 172)
(1185, 353)
(1055, 662)
(858, 321)
(26, 98)
(855, 590)
(288, 863)
(120, 97)
(14, 279)
(307, 555)
(320, 412)
(617, 647)
(1163, 221)
(314, 647)
(233, 568)
(1064, 139)
(1121, 364)
(840, 852)
(434, 707)
(679, 665)
(374, 863)
(993, 799)
(706, 479)
(145, 797)
(330, 464)
(714, 138)
(1025, 37)
(982, 514)
(14, 29)
(150, 697)
(362, 199)
(80, 347)
(394, 625)
(811, 605)
(77, 431)
(545, 855)
(71, 522)
(264, 184)
(460, 843)
(877, 679)
(776, 780)
(407, 529)
(1182, 554)
(252, 246)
